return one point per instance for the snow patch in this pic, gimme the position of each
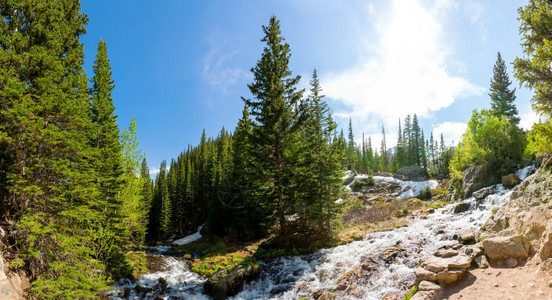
(190, 238)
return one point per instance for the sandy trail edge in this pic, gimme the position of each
(523, 282)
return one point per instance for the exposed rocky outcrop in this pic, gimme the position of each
(223, 284)
(411, 173)
(474, 179)
(527, 214)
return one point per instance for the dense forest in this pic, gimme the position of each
(76, 198)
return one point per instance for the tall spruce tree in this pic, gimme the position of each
(384, 155)
(45, 132)
(245, 212)
(319, 173)
(275, 96)
(502, 98)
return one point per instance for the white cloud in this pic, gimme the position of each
(527, 119)
(154, 171)
(407, 70)
(217, 72)
(452, 132)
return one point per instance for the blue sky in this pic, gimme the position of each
(182, 66)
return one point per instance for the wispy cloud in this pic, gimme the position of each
(218, 72)
(407, 69)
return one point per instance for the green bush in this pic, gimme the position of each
(425, 194)
(489, 141)
(361, 183)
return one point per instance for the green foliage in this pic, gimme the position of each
(425, 194)
(359, 184)
(502, 98)
(539, 139)
(413, 290)
(533, 70)
(133, 203)
(488, 141)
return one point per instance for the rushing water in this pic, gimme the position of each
(301, 276)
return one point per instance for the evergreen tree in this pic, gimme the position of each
(246, 213)
(533, 70)
(502, 98)
(146, 193)
(275, 96)
(50, 190)
(319, 172)
(384, 155)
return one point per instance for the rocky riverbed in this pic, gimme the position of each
(432, 249)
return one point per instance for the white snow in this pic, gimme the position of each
(190, 238)
(415, 187)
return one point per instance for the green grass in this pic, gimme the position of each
(210, 265)
(410, 293)
(209, 245)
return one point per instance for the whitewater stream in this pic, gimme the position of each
(301, 276)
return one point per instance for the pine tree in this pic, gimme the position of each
(384, 155)
(319, 174)
(502, 98)
(246, 213)
(45, 132)
(533, 70)
(407, 141)
(146, 193)
(415, 136)
(275, 96)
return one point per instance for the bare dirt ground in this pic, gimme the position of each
(523, 282)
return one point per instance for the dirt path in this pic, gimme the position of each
(524, 282)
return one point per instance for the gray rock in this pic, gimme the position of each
(510, 180)
(466, 237)
(482, 193)
(223, 284)
(474, 178)
(411, 173)
(499, 248)
(482, 262)
(511, 262)
(428, 286)
(442, 270)
(461, 207)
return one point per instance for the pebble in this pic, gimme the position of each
(495, 285)
(550, 283)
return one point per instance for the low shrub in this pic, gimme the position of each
(361, 183)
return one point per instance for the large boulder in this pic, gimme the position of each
(223, 284)
(482, 193)
(474, 178)
(461, 207)
(501, 248)
(510, 180)
(411, 173)
(443, 269)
